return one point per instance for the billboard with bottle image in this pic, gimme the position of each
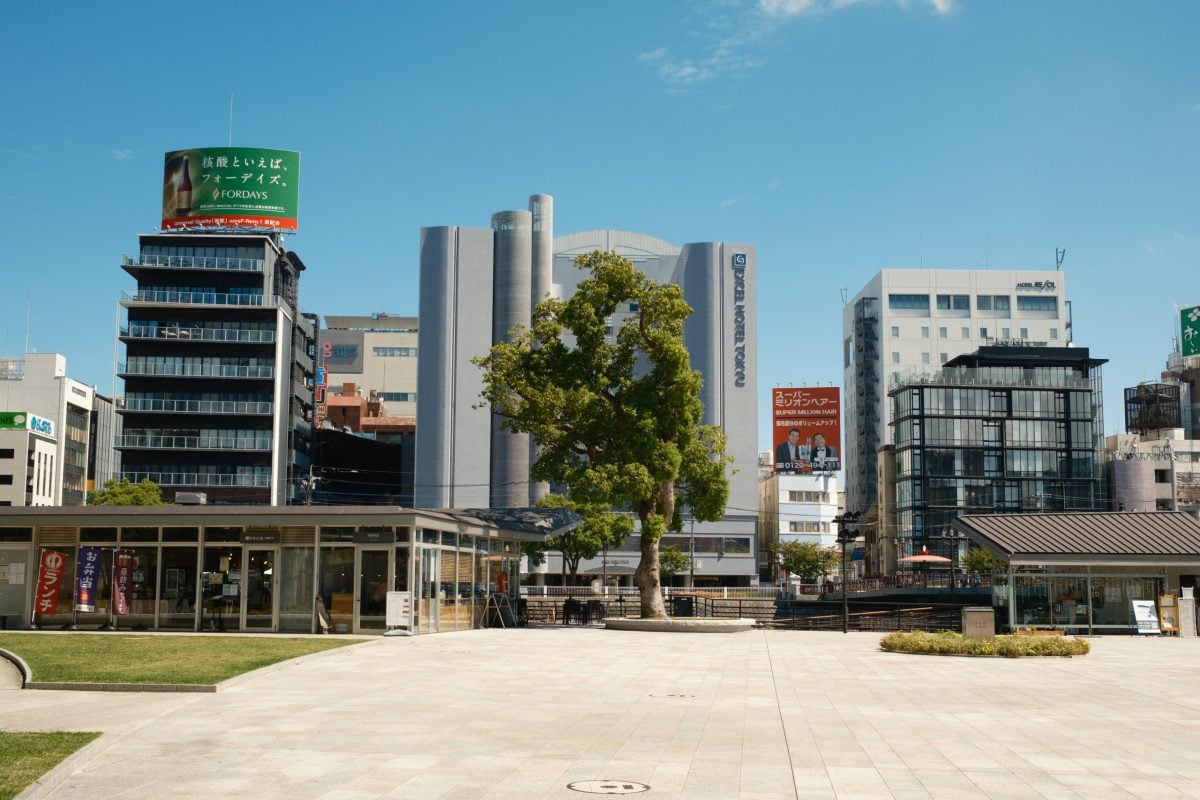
(806, 428)
(231, 187)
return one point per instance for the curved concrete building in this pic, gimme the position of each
(525, 264)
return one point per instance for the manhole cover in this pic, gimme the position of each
(608, 787)
(675, 696)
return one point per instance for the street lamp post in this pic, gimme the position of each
(845, 536)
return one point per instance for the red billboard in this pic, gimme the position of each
(806, 428)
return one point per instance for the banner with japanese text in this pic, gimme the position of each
(122, 583)
(806, 428)
(52, 566)
(87, 578)
(231, 187)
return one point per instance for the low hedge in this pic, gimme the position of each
(951, 643)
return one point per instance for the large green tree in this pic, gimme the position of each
(124, 493)
(601, 528)
(616, 416)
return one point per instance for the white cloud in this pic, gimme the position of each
(123, 154)
(733, 201)
(730, 35)
(1179, 237)
(785, 8)
(1150, 249)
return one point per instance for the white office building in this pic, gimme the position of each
(54, 433)
(377, 353)
(905, 321)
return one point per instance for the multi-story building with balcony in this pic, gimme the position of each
(219, 368)
(1004, 430)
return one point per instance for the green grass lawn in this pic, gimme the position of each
(28, 756)
(151, 658)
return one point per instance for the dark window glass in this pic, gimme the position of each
(97, 534)
(181, 534)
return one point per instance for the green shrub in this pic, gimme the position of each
(951, 643)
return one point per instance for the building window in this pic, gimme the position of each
(394, 352)
(915, 301)
(943, 358)
(1024, 333)
(924, 358)
(1032, 303)
(807, 497)
(924, 331)
(896, 331)
(1054, 333)
(944, 333)
(7, 452)
(966, 333)
(6, 480)
(1162, 505)
(983, 333)
(397, 397)
(957, 302)
(847, 353)
(983, 302)
(992, 302)
(1006, 333)
(1162, 476)
(895, 357)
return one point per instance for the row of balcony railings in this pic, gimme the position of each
(162, 442)
(199, 479)
(189, 370)
(240, 407)
(195, 262)
(197, 333)
(969, 377)
(201, 297)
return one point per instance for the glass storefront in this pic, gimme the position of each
(264, 578)
(1077, 601)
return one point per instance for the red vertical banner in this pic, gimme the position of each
(50, 575)
(122, 573)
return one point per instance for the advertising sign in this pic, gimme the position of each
(806, 428)
(13, 420)
(122, 583)
(86, 578)
(1189, 331)
(50, 575)
(1145, 617)
(231, 187)
(342, 351)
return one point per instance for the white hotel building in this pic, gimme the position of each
(907, 321)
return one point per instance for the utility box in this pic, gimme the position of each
(978, 622)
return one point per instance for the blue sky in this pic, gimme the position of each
(838, 137)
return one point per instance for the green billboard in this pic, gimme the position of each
(13, 420)
(231, 187)
(1189, 331)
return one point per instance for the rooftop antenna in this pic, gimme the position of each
(1059, 255)
(844, 300)
(231, 119)
(26, 323)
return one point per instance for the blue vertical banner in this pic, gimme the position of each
(86, 578)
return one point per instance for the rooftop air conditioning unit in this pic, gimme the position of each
(191, 499)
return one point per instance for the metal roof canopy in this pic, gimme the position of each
(528, 524)
(1122, 538)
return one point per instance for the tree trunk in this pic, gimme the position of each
(647, 574)
(647, 579)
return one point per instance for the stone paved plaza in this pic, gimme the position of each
(765, 714)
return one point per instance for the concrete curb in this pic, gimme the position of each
(200, 688)
(19, 663)
(63, 770)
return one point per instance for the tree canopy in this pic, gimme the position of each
(124, 493)
(600, 528)
(672, 561)
(616, 414)
(977, 560)
(806, 560)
